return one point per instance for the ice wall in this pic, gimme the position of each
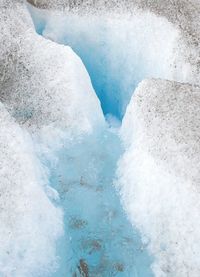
(159, 176)
(117, 50)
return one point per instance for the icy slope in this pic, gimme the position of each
(159, 173)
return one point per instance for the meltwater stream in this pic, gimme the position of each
(99, 240)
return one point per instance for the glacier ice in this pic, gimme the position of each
(53, 133)
(159, 173)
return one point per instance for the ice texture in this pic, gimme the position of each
(159, 173)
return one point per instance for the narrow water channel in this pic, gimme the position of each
(99, 240)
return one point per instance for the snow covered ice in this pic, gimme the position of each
(96, 180)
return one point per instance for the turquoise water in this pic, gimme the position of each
(99, 240)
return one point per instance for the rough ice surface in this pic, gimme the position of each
(53, 133)
(118, 50)
(30, 223)
(159, 176)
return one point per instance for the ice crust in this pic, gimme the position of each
(159, 176)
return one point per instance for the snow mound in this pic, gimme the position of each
(159, 176)
(30, 223)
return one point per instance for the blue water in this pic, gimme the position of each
(99, 237)
(99, 240)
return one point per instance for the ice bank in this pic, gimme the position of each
(159, 173)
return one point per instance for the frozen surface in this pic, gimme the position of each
(118, 50)
(159, 173)
(30, 222)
